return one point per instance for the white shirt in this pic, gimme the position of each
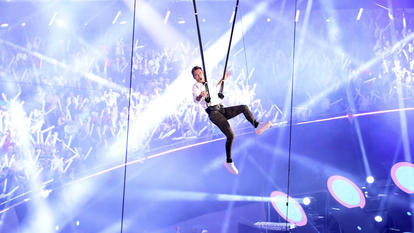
(214, 99)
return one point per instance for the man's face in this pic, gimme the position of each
(198, 75)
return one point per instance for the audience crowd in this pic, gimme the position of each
(69, 111)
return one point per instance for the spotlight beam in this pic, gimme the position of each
(358, 132)
(155, 24)
(401, 104)
(62, 65)
(141, 160)
(309, 37)
(167, 104)
(358, 71)
(202, 196)
(42, 219)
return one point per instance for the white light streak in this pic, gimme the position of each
(116, 17)
(232, 17)
(297, 15)
(390, 15)
(360, 13)
(52, 20)
(167, 16)
(404, 22)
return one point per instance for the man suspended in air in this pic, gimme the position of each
(211, 100)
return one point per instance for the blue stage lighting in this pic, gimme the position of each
(370, 179)
(359, 228)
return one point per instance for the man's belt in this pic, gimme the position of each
(213, 108)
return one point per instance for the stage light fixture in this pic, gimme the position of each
(345, 192)
(288, 208)
(306, 201)
(370, 179)
(45, 193)
(60, 23)
(401, 174)
(378, 218)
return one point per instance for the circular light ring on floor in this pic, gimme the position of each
(346, 192)
(402, 174)
(294, 210)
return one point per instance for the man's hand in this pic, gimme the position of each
(202, 94)
(228, 73)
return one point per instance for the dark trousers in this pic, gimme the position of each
(219, 117)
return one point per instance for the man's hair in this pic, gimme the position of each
(194, 69)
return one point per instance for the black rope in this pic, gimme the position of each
(128, 121)
(220, 94)
(228, 50)
(201, 51)
(291, 111)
